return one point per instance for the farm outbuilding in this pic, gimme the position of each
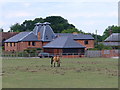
(43, 37)
(113, 40)
(64, 44)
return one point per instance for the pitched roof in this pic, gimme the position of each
(63, 42)
(17, 37)
(47, 33)
(6, 35)
(37, 28)
(30, 37)
(76, 36)
(45, 30)
(113, 37)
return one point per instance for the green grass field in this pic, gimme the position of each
(73, 73)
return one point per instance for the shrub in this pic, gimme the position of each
(102, 47)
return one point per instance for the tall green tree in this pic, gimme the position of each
(15, 28)
(58, 23)
(72, 30)
(99, 37)
(28, 25)
(110, 29)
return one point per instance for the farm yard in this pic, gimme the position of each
(73, 73)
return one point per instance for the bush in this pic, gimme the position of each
(102, 47)
(30, 50)
(3, 48)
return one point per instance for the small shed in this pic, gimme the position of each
(113, 40)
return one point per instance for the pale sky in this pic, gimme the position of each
(86, 15)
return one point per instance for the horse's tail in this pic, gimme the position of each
(51, 60)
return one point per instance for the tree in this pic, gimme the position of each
(15, 28)
(99, 37)
(72, 30)
(58, 23)
(28, 25)
(103, 47)
(113, 29)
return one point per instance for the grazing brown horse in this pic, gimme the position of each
(54, 60)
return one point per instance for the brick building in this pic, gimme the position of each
(5, 36)
(113, 40)
(64, 44)
(42, 36)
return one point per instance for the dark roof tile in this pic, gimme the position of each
(63, 42)
(113, 37)
(76, 36)
(17, 37)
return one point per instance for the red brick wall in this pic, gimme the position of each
(7, 35)
(11, 48)
(89, 45)
(44, 43)
(20, 46)
(110, 53)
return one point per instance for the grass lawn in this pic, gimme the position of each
(73, 73)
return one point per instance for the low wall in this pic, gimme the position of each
(88, 53)
(110, 53)
(102, 53)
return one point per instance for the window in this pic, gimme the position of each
(46, 37)
(7, 44)
(33, 43)
(82, 51)
(11, 44)
(52, 37)
(85, 42)
(14, 44)
(28, 43)
(70, 51)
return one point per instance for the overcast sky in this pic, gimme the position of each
(85, 15)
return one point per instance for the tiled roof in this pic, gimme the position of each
(63, 42)
(7, 35)
(76, 36)
(113, 37)
(30, 37)
(37, 28)
(17, 37)
(45, 30)
(47, 34)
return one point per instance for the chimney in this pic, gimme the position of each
(75, 33)
(39, 36)
(110, 32)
